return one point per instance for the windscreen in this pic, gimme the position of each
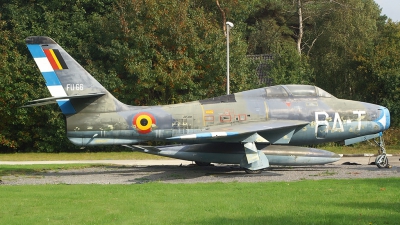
(302, 90)
(276, 92)
(296, 90)
(323, 93)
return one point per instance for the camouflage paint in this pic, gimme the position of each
(279, 115)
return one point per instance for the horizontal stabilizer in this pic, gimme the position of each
(51, 100)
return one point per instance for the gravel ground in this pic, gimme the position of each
(189, 173)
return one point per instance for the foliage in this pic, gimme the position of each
(175, 56)
(378, 69)
(39, 129)
(289, 68)
(338, 44)
(161, 52)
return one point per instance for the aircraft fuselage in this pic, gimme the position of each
(330, 119)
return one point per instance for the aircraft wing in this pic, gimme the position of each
(272, 131)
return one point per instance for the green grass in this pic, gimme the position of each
(77, 156)
(357, 149)
(359, 201)
(360, 149)
(19, 170)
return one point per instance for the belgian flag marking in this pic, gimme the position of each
(55, 59)
(143, 122)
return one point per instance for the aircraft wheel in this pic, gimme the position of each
(202, 163)
(252, 171)
(382, 161)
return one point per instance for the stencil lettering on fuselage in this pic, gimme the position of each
(337, 121)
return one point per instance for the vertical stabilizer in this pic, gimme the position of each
(65, 77)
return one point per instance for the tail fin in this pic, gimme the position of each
(71, 86)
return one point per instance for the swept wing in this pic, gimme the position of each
(273, 131)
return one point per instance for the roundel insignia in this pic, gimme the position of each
(143, 122)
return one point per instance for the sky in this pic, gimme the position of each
(391, 8)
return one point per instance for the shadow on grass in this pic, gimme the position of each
(141, 174)
(366, 209)
(303, 168)
(171, 173)
(19, 170)
(308, 218)
(5, 171)
(183, 174)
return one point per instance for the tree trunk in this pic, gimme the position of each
(223, 17)
(300, 35)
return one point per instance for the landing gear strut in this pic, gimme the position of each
(381, 160)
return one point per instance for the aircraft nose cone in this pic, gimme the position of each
(387, 114)
(384, 118)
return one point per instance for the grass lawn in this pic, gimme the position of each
(358, 201)
(18, 170)
(78, 156)
(359, 149)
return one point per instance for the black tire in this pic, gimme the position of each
(382, 163)
(248, 171)
(202, 163)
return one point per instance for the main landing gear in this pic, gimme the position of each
(202, 163)
(381, 160)
(248, 171)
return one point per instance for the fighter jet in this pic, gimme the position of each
(255, 128)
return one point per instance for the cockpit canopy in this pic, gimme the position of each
(294, 90)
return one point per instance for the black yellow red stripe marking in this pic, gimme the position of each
(55, 59)
(60, 59)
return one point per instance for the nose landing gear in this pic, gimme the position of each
(381, 160)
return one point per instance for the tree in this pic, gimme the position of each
(171, 53)
(379, 71)
(40, 128)
(145, 53)
(160, 52)
(273, 33)
(347, 30)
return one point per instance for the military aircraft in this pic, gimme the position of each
(255, 128)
